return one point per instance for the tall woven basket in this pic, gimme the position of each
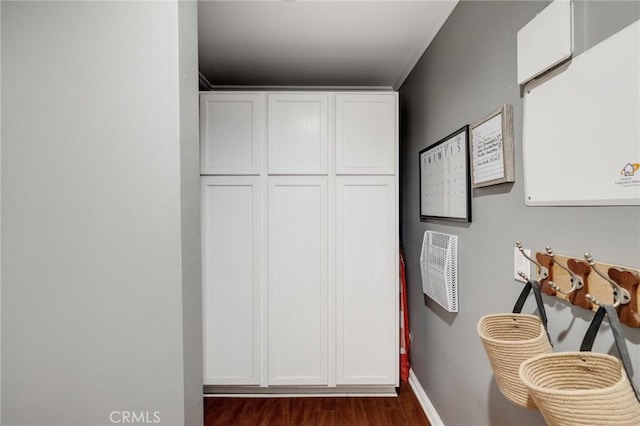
(510, 339)
(581, 388)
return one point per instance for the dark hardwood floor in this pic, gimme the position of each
(403, 410)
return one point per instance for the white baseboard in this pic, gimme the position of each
(300, 395)
(297, 391)
(425, 402)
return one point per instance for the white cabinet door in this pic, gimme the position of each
(366, 133)
(367, 280)
(231, 279)
(231, 133)
(297, 135)
(298, 281)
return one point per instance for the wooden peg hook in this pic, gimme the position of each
(628, 312)
(546, 261)
(581, 269)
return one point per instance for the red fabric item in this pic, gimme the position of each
(404, 324)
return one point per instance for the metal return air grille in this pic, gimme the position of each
(439, 268)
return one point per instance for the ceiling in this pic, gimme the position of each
(315, 43)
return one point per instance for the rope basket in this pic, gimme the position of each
(581, 388)
(508, 340)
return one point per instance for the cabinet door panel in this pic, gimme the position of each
(366, 134)
(297, 136)
(298, 281)
(231, 279)
(230, 133)
(367, 280)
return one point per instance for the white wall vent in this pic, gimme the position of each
(439, 267)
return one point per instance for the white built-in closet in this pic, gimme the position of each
(300, 240)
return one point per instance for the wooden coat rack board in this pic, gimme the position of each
(594, 284)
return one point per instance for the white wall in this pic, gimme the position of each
(93, 252)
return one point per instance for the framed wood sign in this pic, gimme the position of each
(445, 191)
(492, 149)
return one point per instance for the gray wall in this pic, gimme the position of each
(468, 71)
(0, 217)
(190, 211)
(99, 243)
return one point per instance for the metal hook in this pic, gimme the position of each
(543, 272)
(576, 281)
(620, 295)
(593, 300)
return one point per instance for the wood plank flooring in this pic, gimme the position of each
(403, 410)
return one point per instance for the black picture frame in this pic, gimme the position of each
(445, 181)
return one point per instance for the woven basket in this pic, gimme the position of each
(510, 339)
(581, 388)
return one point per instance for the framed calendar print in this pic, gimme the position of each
(445, 185)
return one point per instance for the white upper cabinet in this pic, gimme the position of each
(231, 133)
(366, 134)
(298, 133)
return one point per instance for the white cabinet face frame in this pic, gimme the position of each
(298, 281)
(231, 280)
(367, 280)
(366, 134)
(298, 133)
(231, 133)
